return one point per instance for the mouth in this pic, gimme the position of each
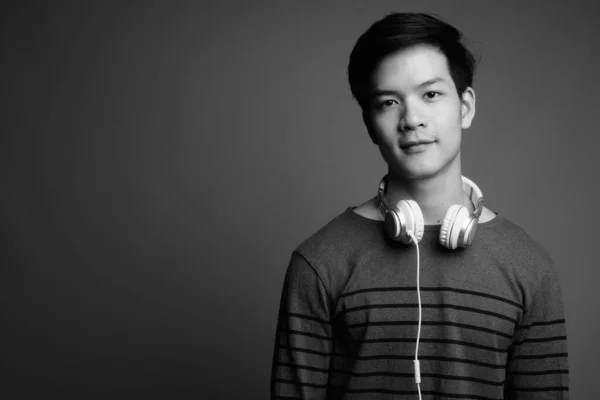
(418, 145)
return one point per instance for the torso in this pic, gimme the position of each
(473, 301)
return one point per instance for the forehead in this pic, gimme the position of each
(410, 67)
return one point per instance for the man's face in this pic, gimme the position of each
(414, 113)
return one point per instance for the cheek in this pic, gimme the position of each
(452, 123)
(386, 124)
(453, 132)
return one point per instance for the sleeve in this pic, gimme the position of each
(303, 340)
(537, 361)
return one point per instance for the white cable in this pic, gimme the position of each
(416, 360)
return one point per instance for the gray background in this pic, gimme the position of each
(161, 160)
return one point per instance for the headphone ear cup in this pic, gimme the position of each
(393, 223)
(414, 219)
(455, 218)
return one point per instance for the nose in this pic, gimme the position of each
(412, 118)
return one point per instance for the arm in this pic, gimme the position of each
(303, 342)
(537, 364)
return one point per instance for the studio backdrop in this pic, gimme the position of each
(161, 160)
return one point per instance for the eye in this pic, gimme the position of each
(386, 104)
(432, 95)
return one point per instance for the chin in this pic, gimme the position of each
(415, 174)
(415, 170)
(426, 168)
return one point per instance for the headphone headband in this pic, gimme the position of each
(475, 195)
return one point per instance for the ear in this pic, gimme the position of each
(367, 120)
(467, 108)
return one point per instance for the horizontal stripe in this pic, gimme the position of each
(546, 372)
(301, 350)
(431, 358)
(306, 367)
(301, 333)
(446, 341)
(391, 374)
(288, 398)
(462, 378)
(541, 340)
(423, 375)
(431, 323)
(539, 356)
(394, 357)
(434, 289)
(302, 316)
(544, 323)
(389, 391)
(431, 392)
(304, 384)
(542, 389)
(416, 305)
(460, 396)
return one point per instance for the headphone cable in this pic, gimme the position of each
(416, 363)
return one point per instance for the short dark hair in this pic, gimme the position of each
(398, 31)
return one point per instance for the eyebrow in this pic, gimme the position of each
(387, 92)
(432, 81)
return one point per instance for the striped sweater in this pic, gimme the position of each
(493, 323)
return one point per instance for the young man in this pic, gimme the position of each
(421, 291)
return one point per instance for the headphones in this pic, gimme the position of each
(458, 228)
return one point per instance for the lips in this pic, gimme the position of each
(413, 143)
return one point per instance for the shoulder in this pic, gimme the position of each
(508, 261)
(526, 264)
(515, 248)
(338, 237)
(332, 251)
(369, 210)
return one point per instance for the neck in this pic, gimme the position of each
(434, 195)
